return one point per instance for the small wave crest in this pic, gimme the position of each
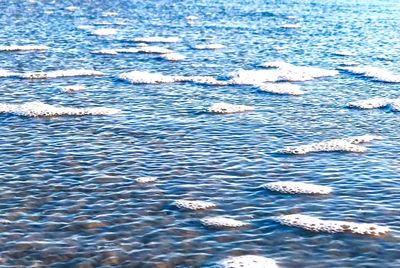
(23, 48)
(194, 204)
(335, 145)
(288, 187)
(73, 88)
(145, 179)
(173, 56)
(56, 74)
(104, 31)
(315, 224)
(249, 261)
(226, 108)
(281, 88)
(375, 103)
(157, 39)
(375, 73)
(222, 222)
(40, 109)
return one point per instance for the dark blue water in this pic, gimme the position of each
(68, 197)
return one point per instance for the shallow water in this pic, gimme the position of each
(68, 195)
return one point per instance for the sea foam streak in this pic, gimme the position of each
(375, 103)
(40, 109)
(222, 222)
(331, 226)
(173, 56)
(289, 187)
(73, 88)
(23, 48)
(375, 73)
(247, 261)
(281, 88)
(226, 108)
(335, 145)
(194, 204)
(157, 39)
(104, 31)
(56, 74)
(145, 179)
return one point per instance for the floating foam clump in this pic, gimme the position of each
(317, 225)
(375, 73)
(109, 14)
(222, 222)
(145, 179)
(56, 74)
(206, 80)
(289, 187)
(335, 145)
(173, 56)
(154, 50)
(157, 39)
(282, 72)
(194, 204)
(138, 77)
(72, 8)
(73, 88)
(39, 109)
(283, 88)
(105, 52)
(247, 261)
(23, 48)
(291, 26)
(374, 103)
(226, 108)
(85, 27)
(209, 46)
(344, 53)
(5, 73)
(104, 31)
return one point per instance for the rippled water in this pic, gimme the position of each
(68, 194)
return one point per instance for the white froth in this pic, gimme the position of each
(276, 64)
(209, 46)
(85, 27)
(157, 39)
(105, 52)
(206, 80)
(247, 261)
(5, 73)
(291, 26)
(145, 179)
(40, 109)
(173, 56)
(289, 187)
(372, 103)
(191, 18)
(127, 50)
(56, 74)
(109, 14)
(344, 53)
(154, 50)
(375, 73)
(331, 226)
(194, 204)
(222, 222)
(282, 88)
(72, 8)
(138, 77)
(23, 48)
(104, 31)
(73, 88)
(226, 108)
(335, 145)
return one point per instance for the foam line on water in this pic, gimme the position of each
(73, 88)
(147, 179)
(375, 73)
(173, 56)
(281, 88)
(375, 103)
(194, 204)
(57, 74)
(335, 145)
(15, 48)
(247, 261)
(222, 222)
(226, 108)
(288, 187)
(157, 39)
(40, 109)
(315, 224)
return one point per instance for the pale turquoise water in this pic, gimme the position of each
(67, 184)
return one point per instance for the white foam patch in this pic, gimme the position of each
(173, 56)
(331, 226)
(226, 108)
(145, 179)
(344, 53)
(5, 73)
(154, 50)
(109, 14)
(350, 63)
(282, 88)
(282, 72)
(57, 74)
(375, 73)
(222, 222)
(85, 27)
(157, 39)
(289, 187)
(23, 48)
(105, 52)
(194, 204)
(375, 103)
(104, 31)
(335, 145)
(72, 8)
(209, 46)
(206, 80)
(40, 109)
(192, 18)
(73, 88)
(291, 26)
(247, 261)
